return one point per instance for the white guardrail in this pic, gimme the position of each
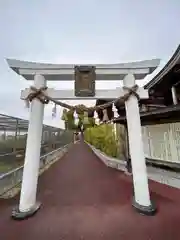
(108, 161)
(12, 178)
(158, 175)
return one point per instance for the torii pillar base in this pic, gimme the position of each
(150, 210)
(18, 215)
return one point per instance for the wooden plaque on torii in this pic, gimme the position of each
(85, 77)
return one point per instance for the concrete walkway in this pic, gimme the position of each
(164, 176)
(84, 199)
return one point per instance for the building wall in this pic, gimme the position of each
(162, 142)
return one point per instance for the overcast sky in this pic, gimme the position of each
(81, 31)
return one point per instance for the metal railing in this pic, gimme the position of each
(12, 160)
(13, 178)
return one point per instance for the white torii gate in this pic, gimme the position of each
(41, 73)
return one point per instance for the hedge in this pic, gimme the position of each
(103, 138)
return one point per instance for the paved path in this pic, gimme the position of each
(83, 199)
(164, 176)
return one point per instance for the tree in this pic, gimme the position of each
(85, 119)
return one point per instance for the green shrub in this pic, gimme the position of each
(103, 138)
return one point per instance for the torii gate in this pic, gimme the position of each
(41, 73)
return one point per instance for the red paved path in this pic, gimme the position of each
(83, 199)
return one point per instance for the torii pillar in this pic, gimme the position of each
(128, 73)
(141, 200)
